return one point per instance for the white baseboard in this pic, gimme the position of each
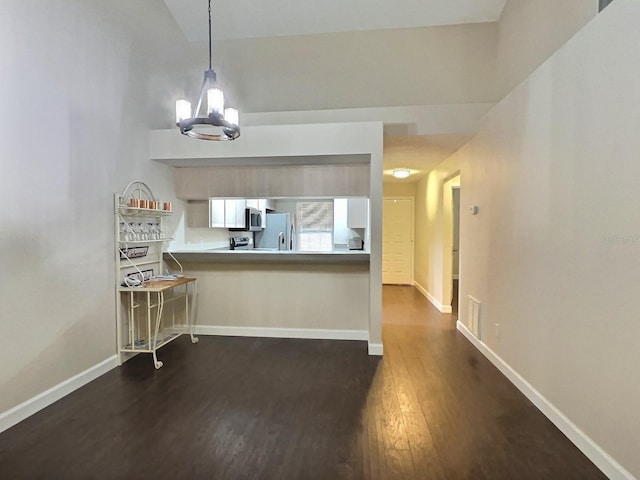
(434, 301)
(27, 408)
(309, 333)
(314, 333)
(592, 450)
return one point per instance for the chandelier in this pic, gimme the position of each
(216, 122)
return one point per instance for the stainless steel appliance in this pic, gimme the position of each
(253, 221)
(239, 243)
(278, 233)
(355, 243)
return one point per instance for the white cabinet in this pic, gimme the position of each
(227, 213)
(216, 213)
(357, 212)
(265, 204)
(234, 213)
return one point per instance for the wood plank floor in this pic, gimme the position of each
(243, 408)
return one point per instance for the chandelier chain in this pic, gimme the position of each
(209, 34)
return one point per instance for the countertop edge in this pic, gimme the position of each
(244, 256)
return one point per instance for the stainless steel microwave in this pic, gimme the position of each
(253, 219)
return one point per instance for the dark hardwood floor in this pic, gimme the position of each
(244, 408)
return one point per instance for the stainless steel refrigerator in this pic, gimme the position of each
(278, 233)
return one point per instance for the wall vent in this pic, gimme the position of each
(474, 317)
(603, 4)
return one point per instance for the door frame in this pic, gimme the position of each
(413, 229)
(448, 183)
(455, 276)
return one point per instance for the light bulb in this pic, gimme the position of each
(183, 110)
(215, 101)
(401, 172)
(231, 116)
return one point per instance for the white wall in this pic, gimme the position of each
(552, 253)
(73, 81)
(529, 32)
(203, 238)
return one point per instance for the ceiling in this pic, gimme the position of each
(418, 153)
(241, 19)
(258, 34)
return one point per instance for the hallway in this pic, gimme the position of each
(280, 409)
(450, 414)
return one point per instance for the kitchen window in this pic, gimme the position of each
(315, 226)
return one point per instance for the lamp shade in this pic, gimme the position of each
(231, 116)
(215, 101)
(183, 110)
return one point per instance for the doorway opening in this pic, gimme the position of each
(451, 244)
(455, 251)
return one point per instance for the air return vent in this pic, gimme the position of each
(474, 316)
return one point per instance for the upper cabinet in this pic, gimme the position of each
(357, 212)
(201, 183)
(223, 212)
(234, 213)
(216, 213)
(227, 213)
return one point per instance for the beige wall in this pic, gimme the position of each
(399, 189)
(373, 68)
(251, 295)
(434, 234)
(82, 70)
(529, 32)
(551, 252)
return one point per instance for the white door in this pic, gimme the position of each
(397, 241)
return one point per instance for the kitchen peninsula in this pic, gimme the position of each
(336, 294)
(281, 294)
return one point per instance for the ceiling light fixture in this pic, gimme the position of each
(199, 123)
(401, 172)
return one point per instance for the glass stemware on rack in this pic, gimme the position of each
(139, 231)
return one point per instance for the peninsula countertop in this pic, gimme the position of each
(224, 255)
